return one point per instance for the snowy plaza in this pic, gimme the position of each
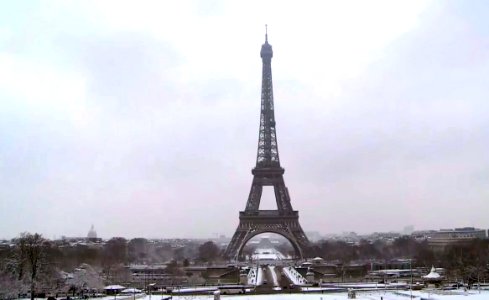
(368, 295)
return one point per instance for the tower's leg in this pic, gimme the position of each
(301, 239)
(233, 247)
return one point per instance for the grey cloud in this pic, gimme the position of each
(404, 139)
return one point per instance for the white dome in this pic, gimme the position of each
(92, 234)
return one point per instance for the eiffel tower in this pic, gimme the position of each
(268, 172)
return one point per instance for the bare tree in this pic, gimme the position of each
(29, 256)
(10, 287)
(208, 251)
(137, 250)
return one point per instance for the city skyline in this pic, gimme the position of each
(313, 235)
(143, 120)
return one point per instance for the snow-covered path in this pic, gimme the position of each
(294, 276)
(259, 276)
(274, 275)
(267, 254)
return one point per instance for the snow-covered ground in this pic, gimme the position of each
(371, 295)
(393, 285)
(274, 275)
(259, 276)
(387, 295)
(195, 289)
(268, 253)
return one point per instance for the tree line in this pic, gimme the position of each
(33, 263)
(467, 262)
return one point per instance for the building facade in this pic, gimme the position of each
(444, 237)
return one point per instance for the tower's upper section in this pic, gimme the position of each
(266, 52)
(267, 155)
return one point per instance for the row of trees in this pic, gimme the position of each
(403, 247)
(139, 250)
(34, 264)
(34, 261)
(118, 250)
(468, 261)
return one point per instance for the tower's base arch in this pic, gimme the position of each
(262, 221)
(288, 237)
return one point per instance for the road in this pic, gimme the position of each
(273, 279)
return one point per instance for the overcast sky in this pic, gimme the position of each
(142, 117)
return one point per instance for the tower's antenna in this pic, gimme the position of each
(266, 33)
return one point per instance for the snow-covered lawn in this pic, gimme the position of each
(393, 285)
(371, 295)
(450, 295)
(387, 295)
(266, 254)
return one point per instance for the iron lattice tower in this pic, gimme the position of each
(268, 172)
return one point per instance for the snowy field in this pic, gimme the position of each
(264, 254)
(387, 295)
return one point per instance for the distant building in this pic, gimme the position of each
(423, 235)
(92, 234)
(444, 237)
(142, 275)
(408, 230)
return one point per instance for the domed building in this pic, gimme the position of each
(92, 234)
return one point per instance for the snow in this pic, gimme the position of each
(268, 253)
(131, 290)
(252, 276)
(370, 295)
(369, 285)
(449, 295)
(386, 295)
(294, 276)
(259, 277)
(274, 275)
(196, 289)
(321, 289)
(433, 274)
(114, 287)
